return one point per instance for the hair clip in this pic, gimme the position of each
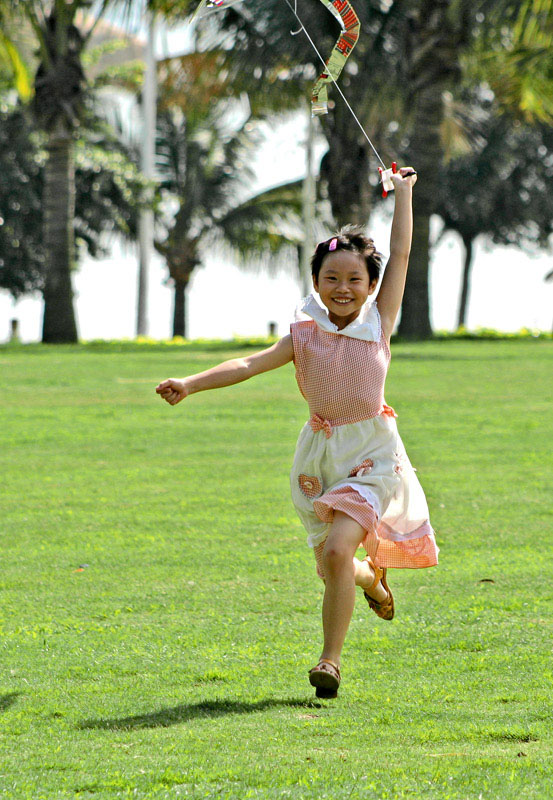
(333, 243)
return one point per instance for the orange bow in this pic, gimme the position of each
(319, 424)
(388, 411)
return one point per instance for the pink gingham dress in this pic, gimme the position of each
(349, 456)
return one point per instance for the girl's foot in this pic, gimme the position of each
(378, 594)
(325, 677)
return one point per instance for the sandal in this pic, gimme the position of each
(325, 677)
(385, 609)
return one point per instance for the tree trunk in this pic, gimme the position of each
(415, 311)
(345, 168)
(425, 152)
(179, 309)
(436, 40)
(59, 324)
(463, 303)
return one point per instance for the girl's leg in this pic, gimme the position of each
(342, 572)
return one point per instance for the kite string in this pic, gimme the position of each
(295, 33)
(344, 98)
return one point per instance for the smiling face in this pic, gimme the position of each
(343, 286)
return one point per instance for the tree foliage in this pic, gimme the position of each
(501, 188)
(21, 183)
(204, 161)
(109, 192)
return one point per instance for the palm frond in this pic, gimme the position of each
(265, 230)
(22, 79)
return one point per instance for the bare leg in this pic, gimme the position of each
(342, 572)
(364, 577)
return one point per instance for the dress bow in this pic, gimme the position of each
(319, 424)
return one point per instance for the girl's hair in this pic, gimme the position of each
(351, 238)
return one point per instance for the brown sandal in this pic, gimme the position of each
(385, 609)
(325, 677)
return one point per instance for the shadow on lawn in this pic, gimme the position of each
(189, 711)
(7, 700)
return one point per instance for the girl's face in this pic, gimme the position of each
(343, 286)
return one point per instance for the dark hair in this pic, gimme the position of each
(351, 238)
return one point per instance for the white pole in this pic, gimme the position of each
(146, 222)
(309, 197)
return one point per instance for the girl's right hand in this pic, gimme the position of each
(173, 390)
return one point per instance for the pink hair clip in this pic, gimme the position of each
(332, 245)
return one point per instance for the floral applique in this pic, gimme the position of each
(310, 487)
(362, 469)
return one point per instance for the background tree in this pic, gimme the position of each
(59, 100)
(500, 190)
(21, 180)
(409, 56)
(511, 54)
(59, 103)
(108, 188)
(203, 162)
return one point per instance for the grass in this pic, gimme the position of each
(174, 664)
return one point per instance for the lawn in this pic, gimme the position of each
(160, 607)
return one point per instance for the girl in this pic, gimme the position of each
(352, 483)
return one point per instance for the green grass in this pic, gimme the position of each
(175, 663)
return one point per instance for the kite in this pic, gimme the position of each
(348, 19)
(333, 66)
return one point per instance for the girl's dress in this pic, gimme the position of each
(349, 456)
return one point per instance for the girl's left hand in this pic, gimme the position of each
(405, 176)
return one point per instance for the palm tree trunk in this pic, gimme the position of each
(463, 303)
(179, 309)
(59, 325)
(425, 152)
(345, 169)
(415, 311)
(438, 33)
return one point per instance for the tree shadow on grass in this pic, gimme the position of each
(190, 711)
(7, 700)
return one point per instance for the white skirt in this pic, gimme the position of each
(362, 469)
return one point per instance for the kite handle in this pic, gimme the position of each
(386, 178)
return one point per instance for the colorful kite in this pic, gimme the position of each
(333, 66)
(351, 26)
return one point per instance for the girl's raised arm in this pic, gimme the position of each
(392, 287)
(173, 390)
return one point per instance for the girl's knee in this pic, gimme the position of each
(336, 556)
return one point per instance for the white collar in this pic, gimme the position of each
(366, 326)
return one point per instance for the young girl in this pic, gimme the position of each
(352, 483)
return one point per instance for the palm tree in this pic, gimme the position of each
(436, 38)
(410, 54)
(500, 189)
(59, 101)
(59, 104)
(512, 55)
(203, 164)
(109, 188)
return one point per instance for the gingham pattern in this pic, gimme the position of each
(341, 378)
(352, 447)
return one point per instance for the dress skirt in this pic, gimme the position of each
(362, 469)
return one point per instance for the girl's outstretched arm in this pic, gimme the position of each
(238, 369)
(391, 289)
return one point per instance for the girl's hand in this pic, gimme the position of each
(406, 176)
(173, 390)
